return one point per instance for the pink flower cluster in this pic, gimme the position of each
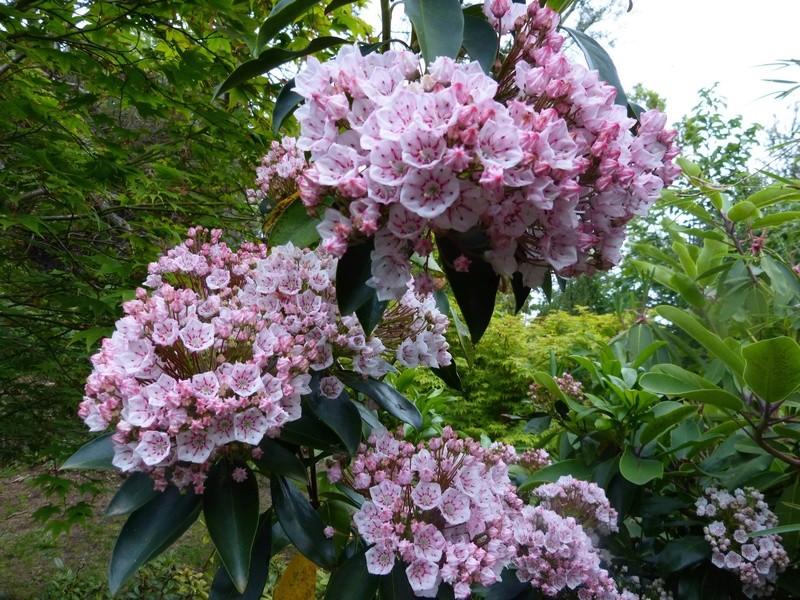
(755, 560)
(219, 353)
(538, 158)
(585, 501)
(276, 178)
(555, 555)
(447, 509)
(444, 507)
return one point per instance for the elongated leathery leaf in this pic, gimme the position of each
(352, 273)
(285, 104)
(223, 588)
(352, 581)
(597, 58)
(772, 368)
(96, 454)
(388, 398)
(480, 41)
(295, 226)
(340, 414)
(149, 531)
(283, 13)
(439, 25)
(277, 458)
(230, 508)
(395, 585)
(271, 58)
(301, 523)
(136, 491)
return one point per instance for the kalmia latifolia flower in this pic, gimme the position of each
(755, 560)
(276, 178)
(218, 354)
(537, 157)
(585, 501)
(443, 507)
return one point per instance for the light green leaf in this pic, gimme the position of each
(663, 423)
(772, 368)
(776, 219)
(439, 25)
(295, 226)
(639, 470)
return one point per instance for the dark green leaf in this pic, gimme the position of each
(449, 374)
(149, 531)
(475, 291)
(279, 459)
(575, 467)
(521, 291)
(295, 226)
(340, 414)
(439, 25)
(639, 470)
(395, 585)
(308, 430)
(301, 523)
(387, 398)
(597, 58)
(285, 104)
(352, 273)
(222, 588)
(283, 13)
(480, 41)
(537, 424)
(96, 454)
(230, 509)
(682, 553)
(352, 581)
(510, 588)
(660, 425)
(136, 491)
(338, 4)
(772, 368)
(371, 312)
(271, 58)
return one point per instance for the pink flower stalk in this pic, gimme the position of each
(443, 507)
(755, 560)
(217, 356)
(536, 156)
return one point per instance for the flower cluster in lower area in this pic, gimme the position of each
(584, 501)
(218, 354)
(757, 559)
(447, 510)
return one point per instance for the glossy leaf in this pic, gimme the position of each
(387, 398)
(480, 41)
(352, 273)
(772, 368)
(776, 219)
(278, 459)
(310, 431)
(149, 531)
(511, 588)
(285, 104)
(639, 470)
(439, 25)
(301, 523)
(338, 4)
(597, 58)
(521, 291)
(703, 336)
(741, 211)
(340, 414)
(449, 374)
(352, 581)
(230, 509)
(395, 585)
(371, 312)
(575, 467)
(96, 454)
(683, 552)
(283, 13)
(663, 423)
(672, 380)
(475, 291)
(222, 588)
(136, 491)
(271, 58)
(295, 226)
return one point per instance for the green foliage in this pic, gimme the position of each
(508, 356)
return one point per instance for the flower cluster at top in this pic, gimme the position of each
(755, 560)
(276, 178)
(219, 353)
(537, 157)
(447, 509)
